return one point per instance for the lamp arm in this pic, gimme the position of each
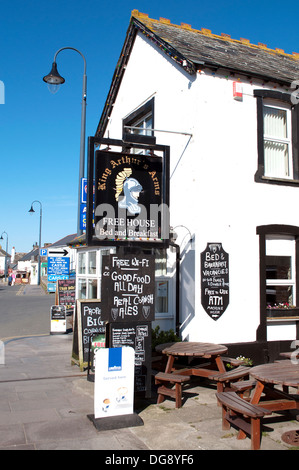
(73, 49)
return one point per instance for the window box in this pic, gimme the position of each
(283, 312)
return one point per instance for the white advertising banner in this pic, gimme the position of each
(114, 382)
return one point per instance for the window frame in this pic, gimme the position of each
(287, 140)
(263, 232)
(282, 246)
(283, 101)
(88, 276)
(136, 116)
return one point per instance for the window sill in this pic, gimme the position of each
(282, 319)
(280, 181)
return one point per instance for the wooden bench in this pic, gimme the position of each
(170, 379)
(225, 379)
(242, 414)
(243, 386)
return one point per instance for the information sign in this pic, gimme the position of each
(214, 280)
(58, 319)
(58, 265)
(114, 382)
(138, 336)
(66, 290)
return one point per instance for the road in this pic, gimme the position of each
(24, 311)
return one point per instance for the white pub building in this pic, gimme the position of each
(227, 110)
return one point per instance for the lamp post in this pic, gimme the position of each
(31, 210)
(55, 79)
(5, 267)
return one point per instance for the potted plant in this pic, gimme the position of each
(282, 309)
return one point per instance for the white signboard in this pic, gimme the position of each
(114, 382)
(58, 319)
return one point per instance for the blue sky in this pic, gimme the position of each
(40, 131)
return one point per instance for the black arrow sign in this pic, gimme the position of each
(63, 253)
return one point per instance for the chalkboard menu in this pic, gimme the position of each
(128, 288)
(138, 336)
(66, 294)
(214, 280)
(88, 323)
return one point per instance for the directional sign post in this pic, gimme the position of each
(58, 265)
(58, 252)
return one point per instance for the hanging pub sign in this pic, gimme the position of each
(128, 288)
(214, 280)
(130, 201)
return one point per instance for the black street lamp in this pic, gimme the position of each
(54, 79)
(5, 267)
(31, 210)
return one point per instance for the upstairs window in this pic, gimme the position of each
(277, 138)
(142, 125)
(277, 141)
(137, 127)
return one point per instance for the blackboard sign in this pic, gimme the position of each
(214, 280)
(128, 288)
(138, 336)
(66, 294)
(88, 323)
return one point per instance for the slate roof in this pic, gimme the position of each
(198, 49)
(63, 241)
(223, 51)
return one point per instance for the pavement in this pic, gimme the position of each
(45, 401)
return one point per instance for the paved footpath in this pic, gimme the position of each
(45, 400)
(44, 403)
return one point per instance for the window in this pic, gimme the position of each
(141, 126)
(136, 126)
(279, 276)
(280, 272)
(90, 273)
(277, 143)
(277, 138)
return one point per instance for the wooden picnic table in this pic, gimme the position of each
(195, 350)
(214, 368)
(283, 373)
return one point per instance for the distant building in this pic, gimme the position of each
(4, 256)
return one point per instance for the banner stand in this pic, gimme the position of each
(116, 422)
(114, 389)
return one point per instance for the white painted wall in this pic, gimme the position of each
(213, 194)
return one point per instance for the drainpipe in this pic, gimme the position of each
(177, 286)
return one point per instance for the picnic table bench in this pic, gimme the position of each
(242, 414)
(226, 379)
(163, 379)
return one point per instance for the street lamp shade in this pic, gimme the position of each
(31, 210)
(54, 78)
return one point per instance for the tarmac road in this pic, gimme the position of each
(24, 311)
